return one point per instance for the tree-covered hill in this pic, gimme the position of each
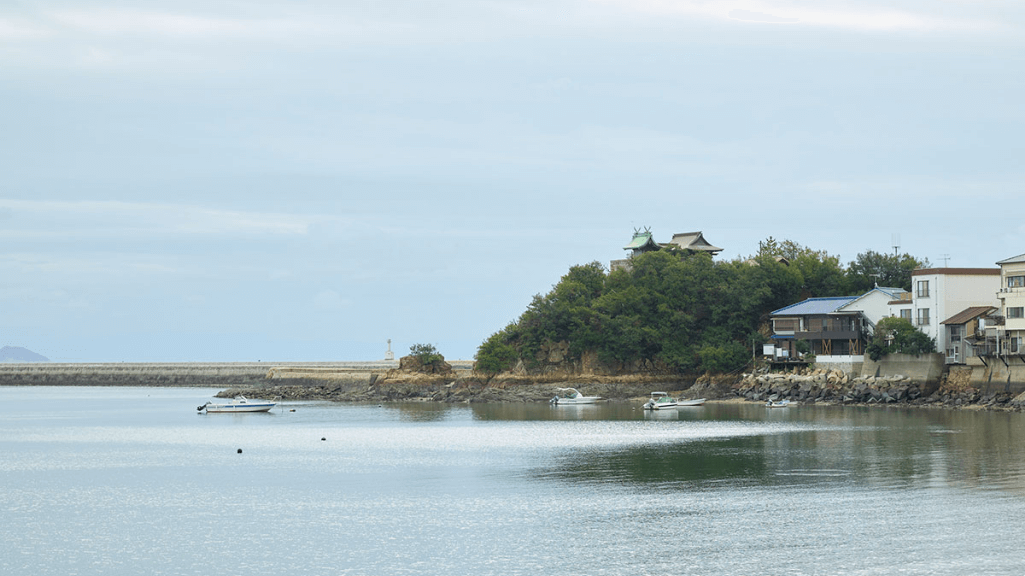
(677, 312)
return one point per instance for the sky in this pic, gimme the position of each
(305, 180)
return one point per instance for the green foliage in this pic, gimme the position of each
(802, 346)
(872, 268)
(427, 354)
(726, 358)
(898, 336)
(496, 354)
(679, 308)
(820, 273)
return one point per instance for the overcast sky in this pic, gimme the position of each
(271, 180)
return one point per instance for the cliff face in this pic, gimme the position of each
(554, 361)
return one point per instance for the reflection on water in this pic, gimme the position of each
(665, 465)
(909, 448)
(422, 411)
(105, 481)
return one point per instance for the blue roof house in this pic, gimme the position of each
(837, 329)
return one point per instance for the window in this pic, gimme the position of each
(785, 325)
(923, 288)
(923, 316)
(906, 314)
(1015, 281)
(1016, 312)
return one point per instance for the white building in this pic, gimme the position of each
(1011, 297)
(939, 294)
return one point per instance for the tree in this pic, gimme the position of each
(898, 336)
(496, 354)
(870, 269)
(821, 273)
(678, 309)
(426, 354)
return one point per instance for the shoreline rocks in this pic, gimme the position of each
(384, 382)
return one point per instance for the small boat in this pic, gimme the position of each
(777, 404)
(573, 396)
(660, 401)
(238, 404)
(694, 402)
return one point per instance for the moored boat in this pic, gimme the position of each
(238, 404)
(660, 401)
(694, 402)
(573, 396)
(777, 404)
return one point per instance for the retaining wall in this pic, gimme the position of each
(925, 368)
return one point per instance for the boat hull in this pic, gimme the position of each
(674, 404)
(240, 407)
(239, 404)
(577, 401)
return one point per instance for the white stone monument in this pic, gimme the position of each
(389, 355)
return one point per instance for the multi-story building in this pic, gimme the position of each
(1011, 295)
(836, 329)
(941, 295)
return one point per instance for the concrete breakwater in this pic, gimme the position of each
(168, 374)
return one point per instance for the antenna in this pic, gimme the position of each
(945, 257)
(876, 276)
(895, 242)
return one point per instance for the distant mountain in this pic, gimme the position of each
(19, 354)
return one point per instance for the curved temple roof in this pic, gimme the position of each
(692, 241)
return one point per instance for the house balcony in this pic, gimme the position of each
(837, 334)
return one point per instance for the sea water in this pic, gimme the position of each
(136, 481)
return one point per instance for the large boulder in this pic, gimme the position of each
(415, 364)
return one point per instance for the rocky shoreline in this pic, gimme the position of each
(383, 382)
(825, 387)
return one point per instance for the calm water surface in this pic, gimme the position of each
(135, 481)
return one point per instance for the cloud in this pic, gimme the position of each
(330, 300)
(166, 24)
(749, 16)
(43, 219)
(20, 29)
(175, 36)
(861, 16)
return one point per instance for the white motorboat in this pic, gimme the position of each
(663, 401)
(660, 401)
(238, 404)
(777, 404)
(572, 396)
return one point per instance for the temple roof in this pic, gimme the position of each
(640, 241)
(692, 241)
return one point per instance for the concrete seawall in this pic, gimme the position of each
(198, 374)
(185, 374)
